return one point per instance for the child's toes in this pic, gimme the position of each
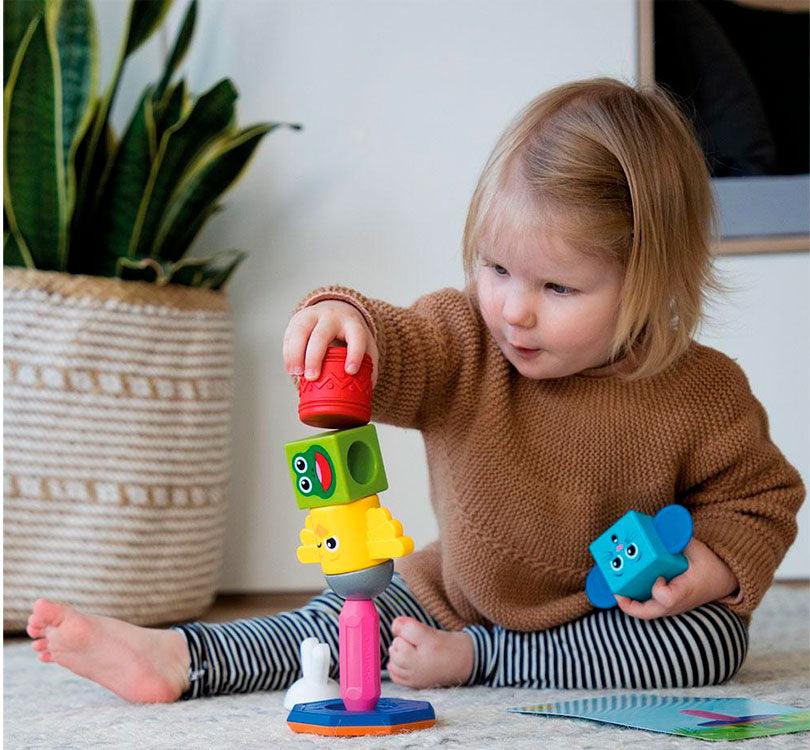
(399, 675)
(40, 645)
(35, 627)
(49, 613)
(411, 630)
(46, 656)
(401, 652)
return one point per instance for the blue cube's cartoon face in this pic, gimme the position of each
(620, 550)
(632, 553)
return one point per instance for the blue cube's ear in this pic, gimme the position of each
(598, 591)
(674, 525)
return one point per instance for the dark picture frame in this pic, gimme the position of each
(760, 178)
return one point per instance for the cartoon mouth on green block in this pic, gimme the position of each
(315, 472)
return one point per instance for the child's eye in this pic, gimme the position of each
(500, 270)
(560, 289)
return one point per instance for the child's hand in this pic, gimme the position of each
(707, 578)
(311, 330)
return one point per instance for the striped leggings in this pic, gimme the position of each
(604, 649)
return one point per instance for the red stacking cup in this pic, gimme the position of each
(336, 400)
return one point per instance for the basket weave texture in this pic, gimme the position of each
(117, 408)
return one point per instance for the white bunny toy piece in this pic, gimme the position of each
(315, 684)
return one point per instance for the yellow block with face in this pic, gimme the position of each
(358, 535)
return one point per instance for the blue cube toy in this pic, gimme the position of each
(635, 551)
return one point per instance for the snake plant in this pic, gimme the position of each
(80, 199)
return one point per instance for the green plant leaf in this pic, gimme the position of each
(77, 44)
(213, 173)
(74, 199)
(180, 48)
(34, 195)
(170, 108)
(84, 243)
(183, 242)
(145, 16)
(78, 52)
(13, 254)
(145, 269)
(17, 17)
(124, 186)
(205, 273)
(209, 116)
(219, 271)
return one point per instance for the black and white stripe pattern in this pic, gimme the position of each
(609, 649)
(262, 653)
(605, 649)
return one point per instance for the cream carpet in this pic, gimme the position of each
(48, 707)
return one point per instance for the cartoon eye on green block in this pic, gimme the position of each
(336, 467)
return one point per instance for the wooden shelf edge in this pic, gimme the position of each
(799, 243)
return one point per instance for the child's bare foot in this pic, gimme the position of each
(423, 657)
(142, 665)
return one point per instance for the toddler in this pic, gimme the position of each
(558, 390)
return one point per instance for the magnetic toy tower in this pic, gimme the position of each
(336, 477)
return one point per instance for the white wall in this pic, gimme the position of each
(401, 103)
(764, 324)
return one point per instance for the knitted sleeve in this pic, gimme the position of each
(742, 492)
(423, 350)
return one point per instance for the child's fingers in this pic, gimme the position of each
(648, 610)
(295, 341)
(311, 331)
(360, 342)
(664, 594)
(322, 335)
(356, 342)
(677, 595)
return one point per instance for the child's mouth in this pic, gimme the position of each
(525, 351)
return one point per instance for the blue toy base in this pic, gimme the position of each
(391, 716)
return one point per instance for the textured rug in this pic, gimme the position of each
(48, 707)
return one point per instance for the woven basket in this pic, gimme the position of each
(116, 429)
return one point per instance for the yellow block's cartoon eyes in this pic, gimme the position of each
(616, 563)
(631, 551)
(305, 485)
(300, 465)
(331, 543)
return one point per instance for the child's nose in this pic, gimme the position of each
(518, 312)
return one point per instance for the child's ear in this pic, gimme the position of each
(674, 526)
(598, 591)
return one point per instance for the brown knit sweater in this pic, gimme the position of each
(525, 474)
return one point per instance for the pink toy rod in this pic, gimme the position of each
(359, 653)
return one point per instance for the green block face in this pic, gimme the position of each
(336, 467)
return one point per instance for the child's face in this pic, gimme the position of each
(552, 309)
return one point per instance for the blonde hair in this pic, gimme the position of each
(623, 167)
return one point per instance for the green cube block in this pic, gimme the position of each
(336, 467)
